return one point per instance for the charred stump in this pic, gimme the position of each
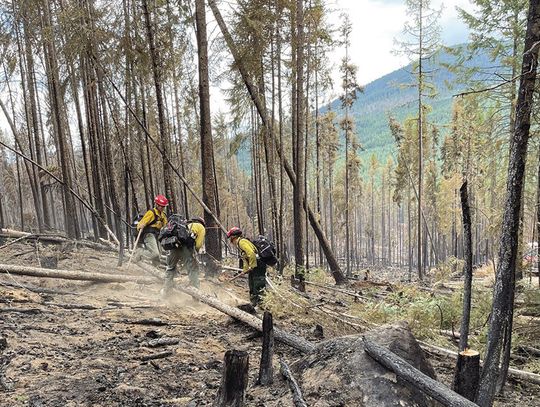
(467, 374)
(234, 380)
(266, 371)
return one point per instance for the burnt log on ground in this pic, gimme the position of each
(18, 235)
(155, 356)
(298, 399)
(415, 377)
(74, 275)
(166, 341)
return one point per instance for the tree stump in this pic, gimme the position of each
(467, 374)
(234, 380)
(266, 371)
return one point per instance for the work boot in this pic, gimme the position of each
(169, 283)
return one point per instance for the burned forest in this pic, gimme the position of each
(269, 203)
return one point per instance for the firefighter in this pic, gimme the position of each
(185, 255)
(149, 227)
(251, 264)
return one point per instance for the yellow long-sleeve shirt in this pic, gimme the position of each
(248, 251)
(149, 216)
(199, 232)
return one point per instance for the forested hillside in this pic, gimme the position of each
(394, 95)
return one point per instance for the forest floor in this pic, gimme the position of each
(82, 344)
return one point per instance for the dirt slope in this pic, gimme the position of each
(81, 345)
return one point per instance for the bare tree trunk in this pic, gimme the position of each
(213, 243)
(298, 189)
(467, 287)
(502, 312)
(70, 217)
(158, 79)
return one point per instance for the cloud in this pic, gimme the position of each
(376, 23)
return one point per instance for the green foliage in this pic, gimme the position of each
(444, 270)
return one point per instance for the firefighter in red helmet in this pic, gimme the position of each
(150, 225)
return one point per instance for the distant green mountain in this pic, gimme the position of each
(393, 95)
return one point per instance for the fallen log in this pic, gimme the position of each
(292, 340)
(513, 373)
(74, 275)
(22, 310)
(51, 238)
(298, 399)
(149, 321)
(415, 377)
(155, 356)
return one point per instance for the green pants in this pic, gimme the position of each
(257, 283)
(186, 257)
(150, 249)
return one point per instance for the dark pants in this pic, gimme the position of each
(186, 257)
(257, 282)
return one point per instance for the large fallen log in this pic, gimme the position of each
(16, 234)
(415, 377)
(74, 275)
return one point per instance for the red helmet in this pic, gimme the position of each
(234, 231)
(161, 200)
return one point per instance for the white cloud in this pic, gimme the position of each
(375, 25)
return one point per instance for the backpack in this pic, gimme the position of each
(176, 234)
(265, 250)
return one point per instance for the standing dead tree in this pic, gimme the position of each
(500, 324)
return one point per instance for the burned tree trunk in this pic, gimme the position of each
(467, 374)
(234, 380)
(503, 307)
(213, 242)
(266, 371)
(158, 78)
(467, 236)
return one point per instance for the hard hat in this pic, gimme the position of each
(161, 200)
(234, 231)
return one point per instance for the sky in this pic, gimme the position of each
(375, 25)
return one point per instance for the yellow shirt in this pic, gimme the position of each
(248, 251)
(149, 217)
(199, 232)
